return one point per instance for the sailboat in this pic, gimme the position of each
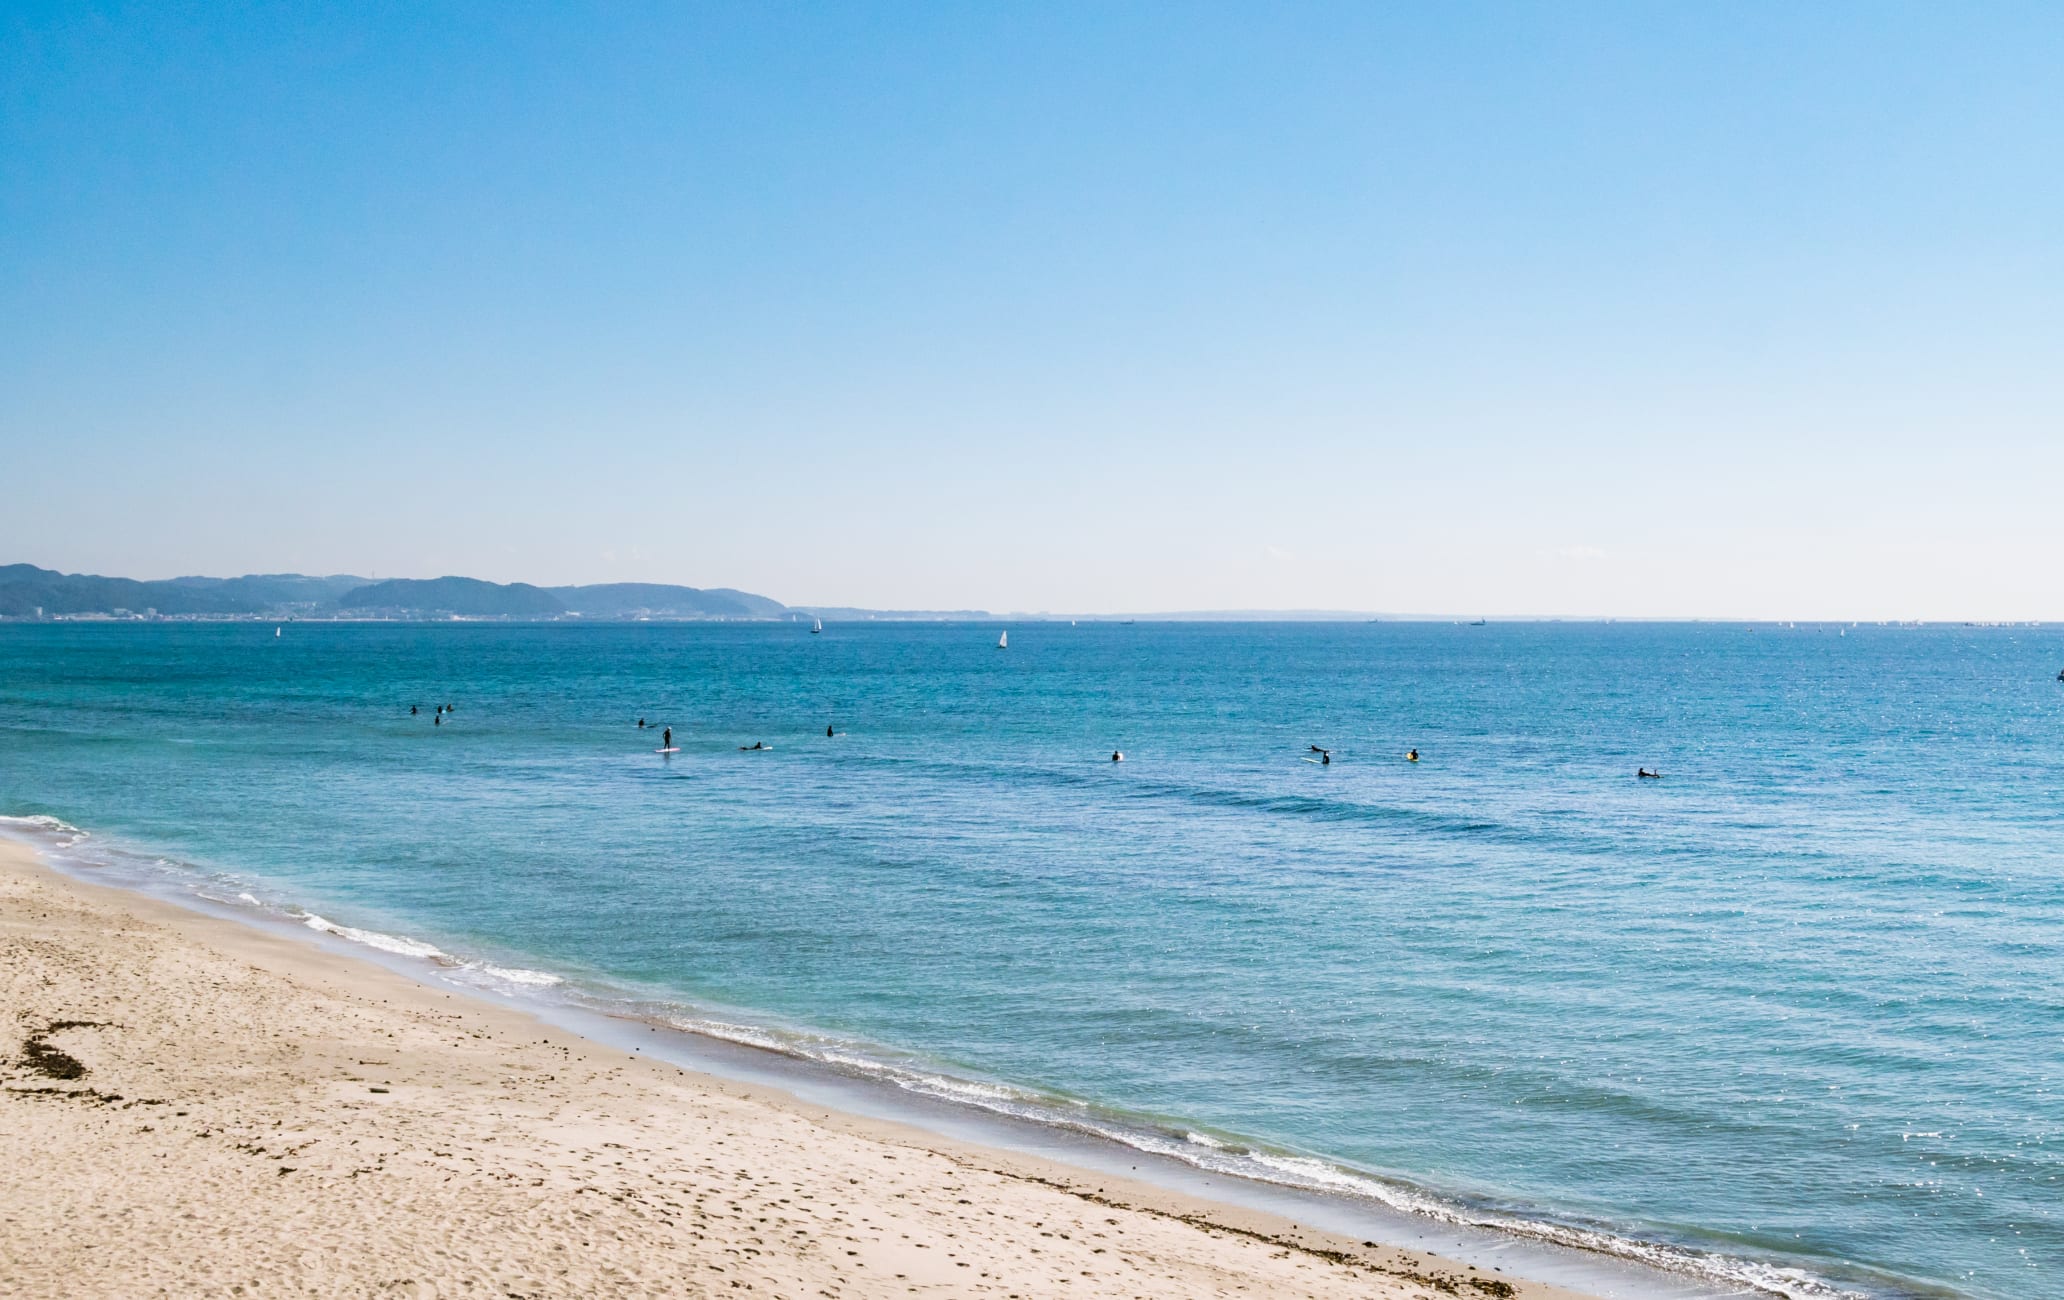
(1003, 642)
(816, 626)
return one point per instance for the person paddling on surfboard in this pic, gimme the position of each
(666, 738)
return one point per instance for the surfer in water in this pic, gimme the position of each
(757, 744)
(1645, 774)
(641, 724)
(828, 731)
(1411, 756)
(1325, 755)
(1117, 756)
(413, 710)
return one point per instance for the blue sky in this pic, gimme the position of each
(1640, 309)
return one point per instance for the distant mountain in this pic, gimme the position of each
(657, 600)
(24, 589)
(27, 591)
(275, 590)
(465, 596)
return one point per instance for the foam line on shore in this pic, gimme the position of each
(69, 846)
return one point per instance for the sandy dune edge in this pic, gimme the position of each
(193, 1107)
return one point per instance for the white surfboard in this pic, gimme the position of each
(675, 750)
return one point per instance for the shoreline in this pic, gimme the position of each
(154, 1097)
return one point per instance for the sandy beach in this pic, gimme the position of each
(195, 1107)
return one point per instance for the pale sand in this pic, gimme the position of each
(258, 1116)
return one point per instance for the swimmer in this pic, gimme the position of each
(1411, 756)
(413, 710)
(437, 721)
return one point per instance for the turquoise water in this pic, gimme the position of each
(1792, 1014)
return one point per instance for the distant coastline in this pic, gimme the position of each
(32, 594)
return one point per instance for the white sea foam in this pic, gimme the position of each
(42, 822)
(536, 979)
(400, 945)
(743, 1035)
(63, 832)
(967, 1090)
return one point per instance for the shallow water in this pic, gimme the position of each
(1793, 1014)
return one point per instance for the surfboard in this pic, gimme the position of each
(675, 750)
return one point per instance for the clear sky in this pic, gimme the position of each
(1652, 309)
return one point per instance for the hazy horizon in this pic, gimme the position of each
(1231, 614)
(1643, 312)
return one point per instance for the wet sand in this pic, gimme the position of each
(195, 1107)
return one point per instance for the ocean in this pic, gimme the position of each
(1791, 1016)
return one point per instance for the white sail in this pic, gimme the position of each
(817, 625)
(1003, 642)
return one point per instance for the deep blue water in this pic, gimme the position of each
(1799, 1004)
